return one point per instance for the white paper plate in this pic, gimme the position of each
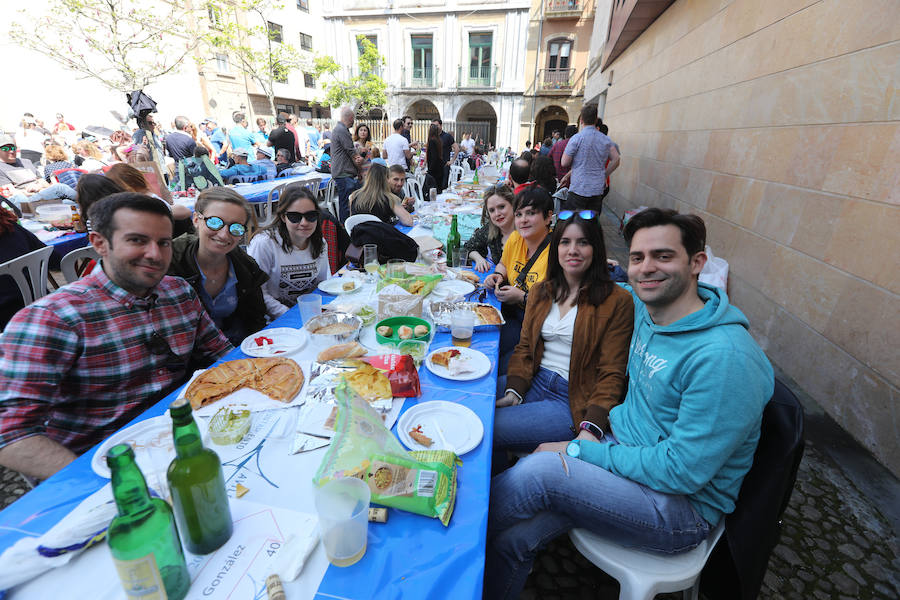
(452, 288)
(285, 340)
(481, 365)
(451, 426)
(152, 442)
(334, 286)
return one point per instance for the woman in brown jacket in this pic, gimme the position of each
(568, 368)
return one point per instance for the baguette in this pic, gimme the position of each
(348, 350)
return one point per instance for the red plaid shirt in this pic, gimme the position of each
(85, 360)
(556, 153)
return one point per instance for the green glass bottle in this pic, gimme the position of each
(453, 241)
(475, 177)
(197, 485)
(143, 539)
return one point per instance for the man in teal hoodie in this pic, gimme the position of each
(678, 447)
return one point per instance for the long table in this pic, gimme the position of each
(259, 191)
(411, 556)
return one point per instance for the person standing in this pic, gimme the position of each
(301, 140)
(449, 149)
(397, 147)
(281, 138)
(586, 154)
(345, 161)
(240, 136)
(31, 140)
(557, 150)
(179, 143)
(313, 134)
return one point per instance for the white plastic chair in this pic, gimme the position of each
(456, 173)
(413, 189)
(30, 273)
(312, 185)
(642, 575)
(265, 211)
(68, 263)
(420, 177)
(330, 198)
(244, 178)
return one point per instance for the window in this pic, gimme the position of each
(371, 38)
(422, 60)
(222, 63)
(284, 108)
(275, 33)
(306, 41)
(559, 55)
(303, 5)
(308, 80)
(215, 15)
(480, 58)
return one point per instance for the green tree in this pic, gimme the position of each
(124, 44)
(365, 90)
(256, 49)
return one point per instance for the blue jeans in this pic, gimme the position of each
(543, 416)
(538, 500)
(55, 190)
(345, 186)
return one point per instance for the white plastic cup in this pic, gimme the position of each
(343, 509)
(462, 324)
(310, 306)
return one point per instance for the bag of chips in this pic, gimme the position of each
(419, 482)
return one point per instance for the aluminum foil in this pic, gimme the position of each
(441, 311)
(324, 377)
(324, 340)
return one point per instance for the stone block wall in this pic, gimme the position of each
(778, 121)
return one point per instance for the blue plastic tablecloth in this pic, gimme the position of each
(411, 556)
(64, 244)
(259, 191)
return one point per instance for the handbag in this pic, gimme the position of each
(520, 280)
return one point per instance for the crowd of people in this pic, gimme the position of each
(639, 404)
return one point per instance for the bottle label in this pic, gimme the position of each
(141, 578)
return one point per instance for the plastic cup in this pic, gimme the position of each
(457, 255)
(396, 268)
(462, 261)
(310, 306)
(462, 324)
(343, 509)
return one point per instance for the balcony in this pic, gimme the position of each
(563, 9)
(420, 78)
(559, 81)
(479, 77)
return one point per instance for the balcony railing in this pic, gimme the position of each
(420, 77)
(563, 8)
(484, 76)
(560, 81)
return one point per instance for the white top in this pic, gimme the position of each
(395, 145)
(469, 145)
(557, 335)
(290, 274)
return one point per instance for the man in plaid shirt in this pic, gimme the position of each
(80, 363)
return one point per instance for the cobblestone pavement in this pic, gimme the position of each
(835, 544)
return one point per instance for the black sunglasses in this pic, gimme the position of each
(160, 347)
(587, 215)
(294, 217)
(216, 223)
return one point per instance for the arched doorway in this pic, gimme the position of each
(549, 119)
(423, 110)
(478, 118)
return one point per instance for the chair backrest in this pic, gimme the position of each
(69, 176)
(245, 178)
(737, 567)
(413, 188)
(289, 172)
(455, 174)
(30, 273)
(312, 185)
(420, 176)
(330, 200)
(265, 211)
(68, 263)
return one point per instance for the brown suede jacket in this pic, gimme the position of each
(599, 352)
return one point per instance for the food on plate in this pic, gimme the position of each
(335, 329)
(461, 364)
(488, 315)
(416, 434)
(348, 350)
(405, 332)
(369, 382)
(420, 330)
(470, 277)
(240, 490)
(442, 359)
(277, 378)
(385, 331)
(348, 285)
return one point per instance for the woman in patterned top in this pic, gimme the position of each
(497, 223)
(56, 160)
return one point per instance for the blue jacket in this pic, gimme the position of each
(248, 169)
(691, 417)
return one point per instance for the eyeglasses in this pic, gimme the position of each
(310, 216)
(587, 215)
(8, 148)
(216, 223)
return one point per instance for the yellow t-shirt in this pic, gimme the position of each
(515, 257)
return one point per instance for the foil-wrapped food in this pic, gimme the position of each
(486, 315)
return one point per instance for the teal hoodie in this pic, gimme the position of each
(691, 418)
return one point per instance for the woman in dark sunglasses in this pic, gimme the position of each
(227, 279)
(292, 250)
(568, 369)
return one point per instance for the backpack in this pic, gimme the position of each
(391, 242)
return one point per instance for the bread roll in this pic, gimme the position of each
(385, 331)
(405, 332)
(348, 350)
(420, 330)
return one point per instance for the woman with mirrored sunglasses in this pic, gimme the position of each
(227, 279)
(292, 250)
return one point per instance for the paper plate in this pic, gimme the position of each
(277, 341)
(452, 288)
(152, 442)
(481, 365)
(335, 285)
(451, 426)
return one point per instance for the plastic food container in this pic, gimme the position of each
(51, 213)
(229, 425)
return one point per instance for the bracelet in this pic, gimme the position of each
(593, 429)
(516, 394)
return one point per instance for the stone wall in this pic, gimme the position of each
(778, 121)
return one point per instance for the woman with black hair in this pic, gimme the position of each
(543, 172)
(557, 380)
(434, 156)
(291, 250)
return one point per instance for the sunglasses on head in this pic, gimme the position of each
(565, 215)
(216, 223)
(310, 216)
(8, 148)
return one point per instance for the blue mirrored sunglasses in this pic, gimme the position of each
(216, 223)
(565, 215)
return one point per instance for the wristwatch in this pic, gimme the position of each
(596, 431)
(574, 448)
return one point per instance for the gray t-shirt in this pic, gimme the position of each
(342, 152)
(20, 173)
(589, 150)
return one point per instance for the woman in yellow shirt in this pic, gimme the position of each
(533, 214)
